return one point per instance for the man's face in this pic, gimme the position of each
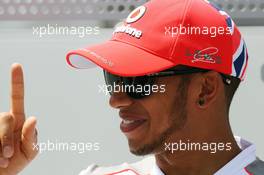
(151, 120)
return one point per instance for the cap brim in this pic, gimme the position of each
(118, 58)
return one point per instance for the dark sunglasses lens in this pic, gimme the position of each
(142, 87)
(135, 87)
(111, 80)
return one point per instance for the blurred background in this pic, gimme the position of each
(67, 102)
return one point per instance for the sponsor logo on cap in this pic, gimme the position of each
(98, 57)
(127, 29)
(136, 14)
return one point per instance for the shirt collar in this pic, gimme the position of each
(156, 170)
(236, 165)
(243, 159)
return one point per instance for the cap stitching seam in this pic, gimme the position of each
(186, 9)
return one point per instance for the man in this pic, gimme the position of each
(172, 69)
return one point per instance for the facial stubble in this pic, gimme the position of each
(177, 120)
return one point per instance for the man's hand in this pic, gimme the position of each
(17, 134)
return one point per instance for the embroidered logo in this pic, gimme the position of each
(127, 29)
(207, 55)
(136, 14)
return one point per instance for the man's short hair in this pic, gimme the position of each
(230, 90)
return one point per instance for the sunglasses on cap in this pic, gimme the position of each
(142, 86)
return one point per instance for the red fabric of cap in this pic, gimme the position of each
(152, 39)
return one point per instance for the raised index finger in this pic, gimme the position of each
(17, 95)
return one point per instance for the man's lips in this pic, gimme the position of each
(131, 122)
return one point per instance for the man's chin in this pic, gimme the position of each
(141, 149)
(139, 152)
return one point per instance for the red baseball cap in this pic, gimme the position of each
(162, 34)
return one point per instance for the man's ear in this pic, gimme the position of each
(209, 86)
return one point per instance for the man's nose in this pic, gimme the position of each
(119, 100)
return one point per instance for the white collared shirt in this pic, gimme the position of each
(148, 165)
(236, 166)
